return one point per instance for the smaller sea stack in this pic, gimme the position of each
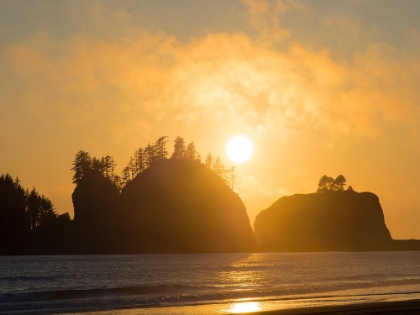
(329, 221)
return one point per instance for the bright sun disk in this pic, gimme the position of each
(239, 149)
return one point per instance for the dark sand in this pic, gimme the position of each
(411, 307)
(395, 307)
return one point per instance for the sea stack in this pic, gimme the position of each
(96, 203)
(179, 206)
(328, 221)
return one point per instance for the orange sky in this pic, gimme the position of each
(321, 87)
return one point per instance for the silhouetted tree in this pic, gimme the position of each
(34, 208)
(191, 152)
(150, 156)
(218, 168)
(125, 176)
(325, 183)
(82, 163)
(132, 168)
(139, 161)
(108, 166)
(97, 165)
(47, 213)
(40, 209)
(13, 220)
(160, 150)
(231, 177)
(340, 182)
(209, 161)
(179, 148)
(136, 165)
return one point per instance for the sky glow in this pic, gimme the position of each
(323, 87)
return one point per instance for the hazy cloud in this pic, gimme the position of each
(249, 187)
(114, 83)
(228, 77)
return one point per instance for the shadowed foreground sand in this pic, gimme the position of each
(411, 307)
(397, 307)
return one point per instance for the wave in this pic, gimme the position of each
(93, 293)
(66, 301)
(152, 294)
(375, 277)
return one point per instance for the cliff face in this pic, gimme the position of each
(178, 205)
(323, 221)
(96, 203)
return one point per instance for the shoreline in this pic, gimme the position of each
(404, 307)
(385, 307)
(315, 307)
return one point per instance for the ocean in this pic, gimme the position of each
(203, 283)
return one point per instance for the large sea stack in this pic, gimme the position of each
(179, 206)
(329, 221)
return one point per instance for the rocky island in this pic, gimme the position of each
(178, 205)
(332, 219)
(342, 220)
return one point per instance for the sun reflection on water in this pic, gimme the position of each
(244, 307)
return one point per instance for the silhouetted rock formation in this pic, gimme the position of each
(178, 205)
(95, 201)
(323, 221)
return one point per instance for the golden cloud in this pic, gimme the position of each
(233, 79)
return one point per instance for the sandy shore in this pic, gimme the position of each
(411, 307)
(394, 307)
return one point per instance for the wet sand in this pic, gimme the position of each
(411, 307)
(377, 308)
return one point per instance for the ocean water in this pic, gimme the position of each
(203, 283)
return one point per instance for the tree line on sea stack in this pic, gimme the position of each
(143, 158)
(326, 184)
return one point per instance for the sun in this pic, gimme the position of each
(239, 149)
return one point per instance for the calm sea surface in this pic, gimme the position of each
(153, 283)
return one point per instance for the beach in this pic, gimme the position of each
(395, 307)
(388, 307)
